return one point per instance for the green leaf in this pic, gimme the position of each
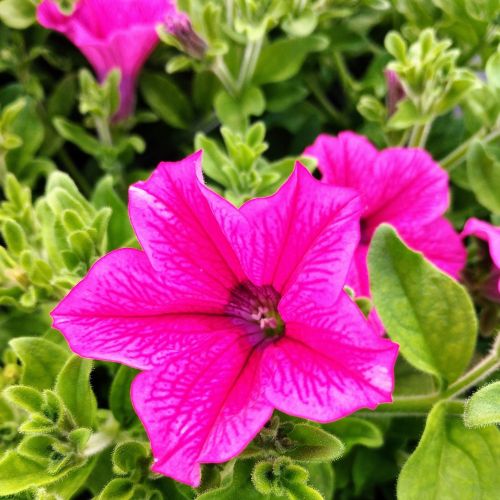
(240, 487)
(452, 462)
(354, 430)
(18, 473)
(73, 481)
(483, 171)
(483, 408)
(119, 229)
(234, 111)
(313, 444)
(322, 478)
(25, 397)
(119, 396)
(283, 59)
(73, 386)
(77, 135)
(166, 100)
(17, 14)
(42, 361)
(118, 489)
(129, 456)
(493, 70)
(425, 311)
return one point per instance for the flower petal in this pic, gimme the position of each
(329, 364)
(412, 189)
(347, 160)
(178, 231)
(487, 232)
(205, 405)
(302, 238)
(123, 311)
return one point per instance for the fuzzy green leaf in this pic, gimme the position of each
(42, 361)
(483, 408)
(73, 386)
(452, 462)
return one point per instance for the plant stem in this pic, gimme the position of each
(74, 172)
(103, 131)
(419, 134)
(458, 155)
(421, 405)
(249, 63)
(222, 73)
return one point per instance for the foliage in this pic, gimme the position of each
(267, 77)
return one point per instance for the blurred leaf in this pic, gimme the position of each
(77, 135)
(483, 171)
(420, 306)
(483, 408)
(166, 100)
(17, 14)
(452, 462)
(283, 59)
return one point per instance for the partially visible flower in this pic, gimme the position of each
(231, 313)
(400, 186)
(395, 91)
(112, 34)
(180, 27)
(491, 234)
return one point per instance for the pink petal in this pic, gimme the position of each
(178, 231)
(487, 232)
(358, 278)
(413, 189)
(111, 34)
(301, 239)
(205, 405)
(329, 364)
(124, 311)
(440, 243)
(347, 160)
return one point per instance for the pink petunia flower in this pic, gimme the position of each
(112, 34)
(231, 313)
(491, 234)
(400, 186)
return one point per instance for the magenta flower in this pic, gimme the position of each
(400, 186)
(231, 313)
(491, 234)
(112, 34)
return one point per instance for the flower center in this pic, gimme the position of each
(256, 308)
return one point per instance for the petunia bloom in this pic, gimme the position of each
(231, 313)
(112, 34)
(400, 186)
(491, 234)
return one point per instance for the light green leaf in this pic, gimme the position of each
(42, 361)
(425, 311)
(119, 229)
(483, 171)
(73, 387)
(17, 14)
(483, 408)
(77, 135)
(18, 473)
(283, 59)
(452, 462)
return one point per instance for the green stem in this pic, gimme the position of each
(421, 405)
(457, 156)
(103, 131)
(348, 82)
(419, 134)
(221, 71)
